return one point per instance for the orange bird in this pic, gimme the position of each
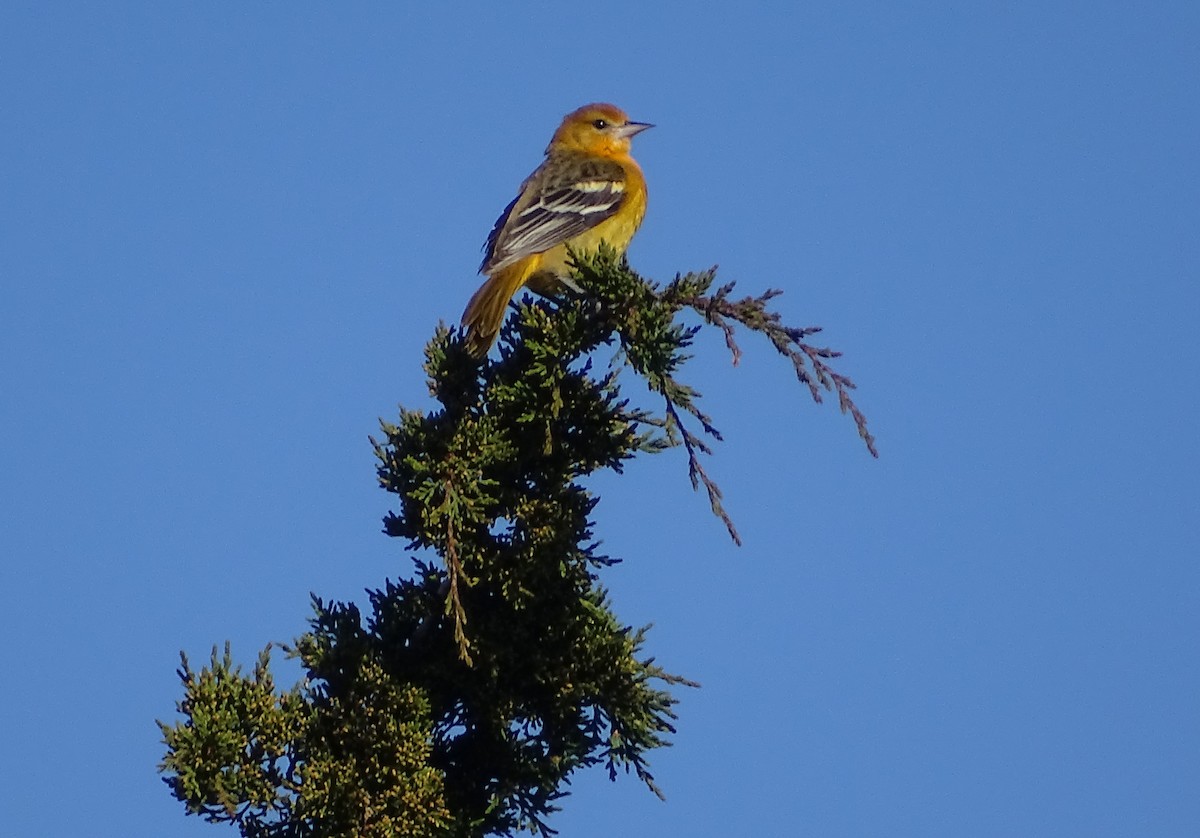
(587, 190)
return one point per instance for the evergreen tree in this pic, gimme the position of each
(465, 696)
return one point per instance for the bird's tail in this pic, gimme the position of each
(485, 312)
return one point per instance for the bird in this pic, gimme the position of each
(587, 190)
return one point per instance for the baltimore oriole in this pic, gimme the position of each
(587, 190)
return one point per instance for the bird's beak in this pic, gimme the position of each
(631, 128)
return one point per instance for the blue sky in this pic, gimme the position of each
(226, 232)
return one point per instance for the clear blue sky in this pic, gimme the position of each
(226, 232)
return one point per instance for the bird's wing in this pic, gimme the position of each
(560, 200)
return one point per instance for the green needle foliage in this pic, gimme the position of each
(462, 700)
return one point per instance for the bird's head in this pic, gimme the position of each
(597, 129)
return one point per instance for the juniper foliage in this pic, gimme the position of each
(464, 698)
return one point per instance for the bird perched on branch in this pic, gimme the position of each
(587, 190)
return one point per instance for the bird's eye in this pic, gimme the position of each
(600, 124)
